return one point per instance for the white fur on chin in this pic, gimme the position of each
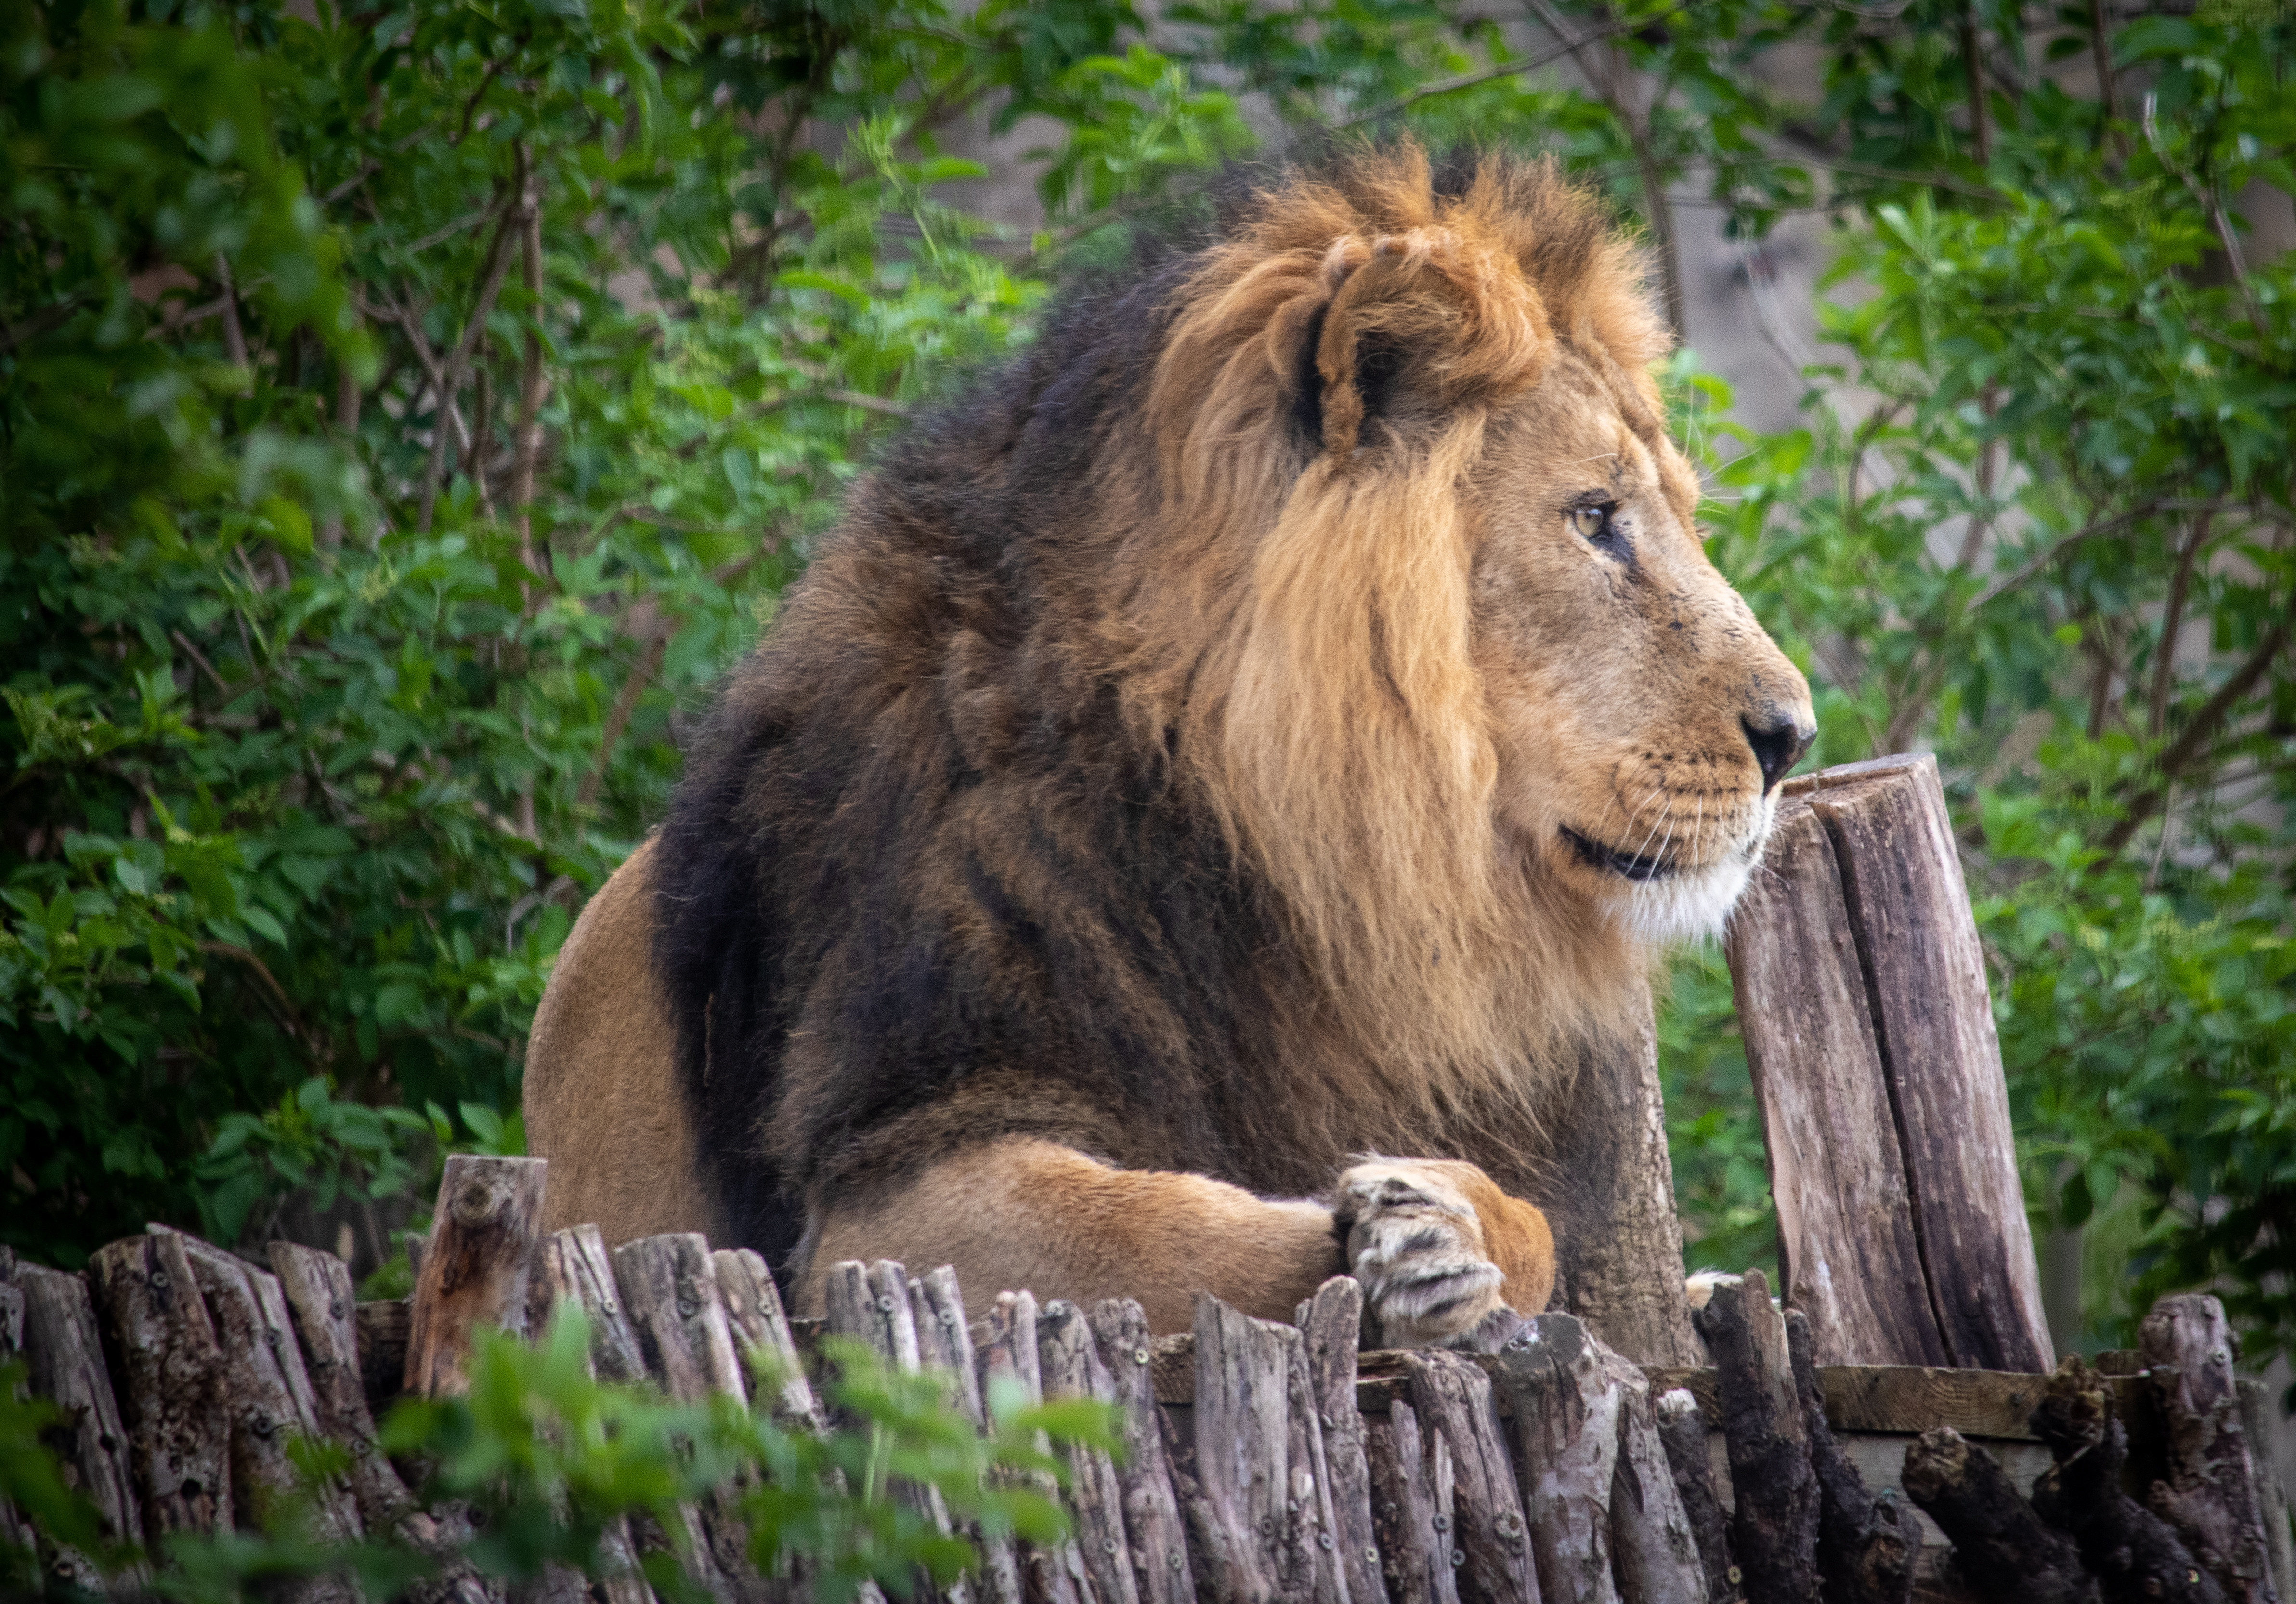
(1686, 905)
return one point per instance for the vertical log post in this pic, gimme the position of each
(1773, 1528)
(944, 1344)
(267, 1404)
(474, 1267)
(1070, 1367)
(1566, 1405)
(1243, 1436)
(1152, 1529)
(1450, 1393)
(2134, 1554)
(1867, 1546)
(1682, 1431)
(1861, 985)
(1331, 1323)
(1009, 1360)
(64, 1353)
(2209, 1494)
(166, 1362)
(761, 1335)
(2001, 1548)
(1653, 1544)
(317, 1288)
(669, 1286)
(1411, 1508)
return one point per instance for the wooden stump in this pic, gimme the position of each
(64, 1352)
(2002, 1550)
(1413, 1507)
(761, 1336)
(2209, 1494)
(1860, 985)
(317, 1288)
(1867, 1546)
(166, 1363)
(1153, 1531)
(1773, 1528)
(1070, 1367)
(1566, 1404)
(2136, 1556)
(474, 1267)
(1009, 1360)
(1450, 1393)
(1330, 1324)
(1681, 1429)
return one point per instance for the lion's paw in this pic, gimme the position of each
(1416, 1244)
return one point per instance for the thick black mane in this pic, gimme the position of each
(823, 872)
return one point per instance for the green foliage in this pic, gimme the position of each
(545, 1457)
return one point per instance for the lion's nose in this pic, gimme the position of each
(1779, 740)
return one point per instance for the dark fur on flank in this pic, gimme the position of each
(925, 884)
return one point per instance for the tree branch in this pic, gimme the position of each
(450, 377)
(2057, 549)
(1467, 80)
(2172, 623)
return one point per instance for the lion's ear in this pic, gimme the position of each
(1416, 325)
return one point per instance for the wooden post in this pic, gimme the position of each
(267, 1402)
(1773, 1529)
(2209, 1494)
(1008, 1359)
(1242, 1433)
(1071, 1368)
(64, 1353)
(1450, 1395)
(1683, 1430)
(1331, 1323)
(944, 1344)
(166, 1362)
(761, 1332)
(1653, 1543)
(475, 1266)
(317, 1286)
(1412, 1508)
(2130, 1550)
(1566, 1404)
(1861, 990)
(1867, 1546)
(2003, 1550)
(1153, 1533)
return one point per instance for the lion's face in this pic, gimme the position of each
(1641, 716)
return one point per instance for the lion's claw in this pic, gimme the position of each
(1416, 1245)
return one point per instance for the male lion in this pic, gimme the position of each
(1266, 725)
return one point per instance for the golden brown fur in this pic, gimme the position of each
(1273, 721)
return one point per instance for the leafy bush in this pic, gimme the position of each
(543, 1457)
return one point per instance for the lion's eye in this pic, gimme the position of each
(1589, 523)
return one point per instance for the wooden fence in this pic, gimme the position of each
(1265, 1463)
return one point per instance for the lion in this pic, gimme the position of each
(1268, 726)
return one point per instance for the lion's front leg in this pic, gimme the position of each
(1446, 1259)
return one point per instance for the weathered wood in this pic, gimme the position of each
(1069, 1364)
(2135, 1555)
(1317, 1569)
(761, 1336)
(2209, 1493)
(166, 1363)
(267, 1402)
(317, 1288)
(1681, 1429)
(1238, 1523)
(945, 1344)
(475, 1267)
(1450, 1393)
(63, 1351)
(669, 1288)
(1774, 1527)
(1654, 1547)
(1412, 1508)
(2260, 1412)
(1847, 1251)
(1566, 1406)
(382, 1327)
(1154, 1534)
(2002, 1550)
(1924, 974)
(1009, 1360)
(1867, 1546)
(1330, 1324)
(572, 1266)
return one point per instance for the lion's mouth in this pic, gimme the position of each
(1633, 866)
